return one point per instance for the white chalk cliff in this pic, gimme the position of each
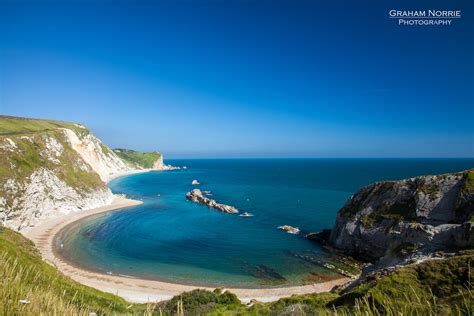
(101, 159)
(51, 172)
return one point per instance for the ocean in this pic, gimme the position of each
(171, 239)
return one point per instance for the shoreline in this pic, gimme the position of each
(128, 173)
(138, 290)
(116, 175)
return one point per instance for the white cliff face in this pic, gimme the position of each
(55, 172)
(44, 195)
(102, 160)
(159, 165)
(52, 173)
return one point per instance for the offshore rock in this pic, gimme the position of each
(289, 229)
(197, 196)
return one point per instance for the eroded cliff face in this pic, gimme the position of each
(392, 220)
(99, 156)
(50, 168)
(42, 175)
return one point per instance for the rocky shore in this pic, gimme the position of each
(197, 196)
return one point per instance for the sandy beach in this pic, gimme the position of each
(140, 290)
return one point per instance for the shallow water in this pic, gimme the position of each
(169, 238)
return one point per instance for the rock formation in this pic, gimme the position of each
(289, 229)
(160, 165)
(197, 196)
(49, 168)
(392, 222)
(96, 154)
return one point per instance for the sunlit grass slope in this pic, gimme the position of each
(30, 286)
(138, 158)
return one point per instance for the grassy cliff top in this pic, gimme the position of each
(138, 158)
(10, 125)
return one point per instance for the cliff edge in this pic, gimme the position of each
(48, 168)
(396, 222)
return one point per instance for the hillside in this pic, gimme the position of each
(140, 159)
(51, 167)
(431, 288)
(25, 276)
(11, 125)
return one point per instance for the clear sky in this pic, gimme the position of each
(245, 78)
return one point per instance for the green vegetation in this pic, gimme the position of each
(10, 125)
(199, 302)
(105, 149)
(138, 158)
(433, 287)
(437, 287)
(30, 154)
(30, 145)
(469, 182)
(25, 276)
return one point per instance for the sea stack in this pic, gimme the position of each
(197, 196)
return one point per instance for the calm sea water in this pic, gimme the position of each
(169, 238)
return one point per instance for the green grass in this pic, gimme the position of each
(430, 288)
(29, 135)
(199, 302)
(30, 155)
(469, 182)
(10, 125)
(138, 158)
(25, 276)
(436, 287)
(27, 158)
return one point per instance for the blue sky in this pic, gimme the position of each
(244, 78)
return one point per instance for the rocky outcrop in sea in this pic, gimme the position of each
(197, 196)
(289, 229)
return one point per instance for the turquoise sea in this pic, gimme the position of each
(169, 238)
